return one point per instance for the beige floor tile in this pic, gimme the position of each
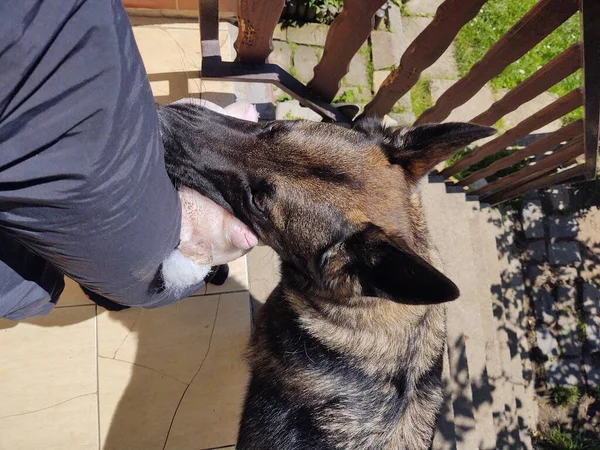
(47, 360)
(171, 340)
(69, 425)
(237, 280)
(72, 295)
(136, 405)
(113, 329)
(209, 412)
(172, 57)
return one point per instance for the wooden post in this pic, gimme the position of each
(256, 22)
(546, 143)
(566, 153)
(573, 175)
(539, 22)
(426, 49)
(590, 23)
(347, 33)
(551, 112)
(559, 68)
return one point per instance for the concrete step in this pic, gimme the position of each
(515, 300)
(500, 367)
(448, 220)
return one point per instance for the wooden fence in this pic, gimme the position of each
(574, 147)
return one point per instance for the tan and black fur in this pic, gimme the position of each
(347, 351)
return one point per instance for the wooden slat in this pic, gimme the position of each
(542, 145)
(573, 175)
(538, 23)
(426, 49)
(271, 73)
(553, 111)
(563, 155)
(256, 22)
(556, 70)
(208, 11)
(590, 12)
(347, 33)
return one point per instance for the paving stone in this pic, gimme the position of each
(281, 55)
(538, 275)
(592, 331)
(562, 227)
(566, 299)
(473, 107)
(536, 251)
(378, 77)
(547, 342)
(386, 48)
(309, 34)
(566, 275)
(591, 366)
(568, 334)
(357, 73)
(528, 109)
(305, 60)
(279, 33)
(445, 66)
(544, 306)
(563, 372)
(559, 197)
(591, 299)
(405, 118)
(394, 18)
(533, 219)
(292, 110)
(423, 7)
(564, 253)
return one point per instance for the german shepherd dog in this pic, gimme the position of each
(347, 351)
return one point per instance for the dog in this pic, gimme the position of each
(347, 351)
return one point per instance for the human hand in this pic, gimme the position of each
(210, 235)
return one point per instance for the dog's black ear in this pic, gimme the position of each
(419, 149)
(369, 263)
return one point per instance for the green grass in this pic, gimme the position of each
(365, 52)
(346, 97)
(565, 395)
(420, 96)
(493, 21)
(558, 439)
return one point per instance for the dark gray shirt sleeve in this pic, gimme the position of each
(83, 183)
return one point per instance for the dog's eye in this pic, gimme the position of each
(259, 199)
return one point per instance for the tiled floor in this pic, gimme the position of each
(85, 378)
(169, 378)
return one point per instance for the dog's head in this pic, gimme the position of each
(336, 204)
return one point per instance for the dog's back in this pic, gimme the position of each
(347, 351)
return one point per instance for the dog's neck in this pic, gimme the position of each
(367, 328)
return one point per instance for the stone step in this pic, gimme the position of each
(448, 220)
(513, 321)
(484, 231)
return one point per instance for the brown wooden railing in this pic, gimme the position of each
(568, 146)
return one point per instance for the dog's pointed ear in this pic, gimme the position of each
(419, 149)
(369, 263)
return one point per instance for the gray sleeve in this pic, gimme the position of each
(29, 286)
(83, 183)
